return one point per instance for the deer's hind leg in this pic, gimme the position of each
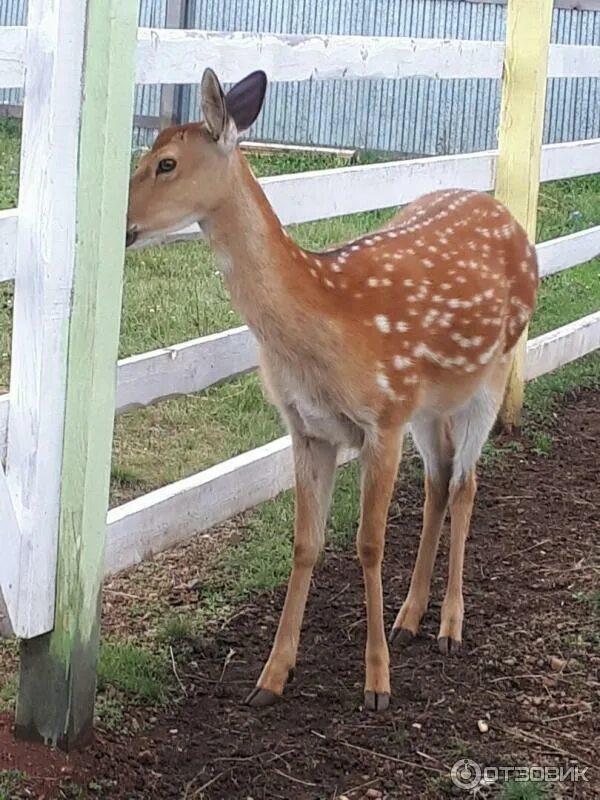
(431, 435)
(471, 425)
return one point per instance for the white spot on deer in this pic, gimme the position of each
(422, 351)
(428, 263)
(401, 362)
(386, 282)
(408, 282)
(358, 295)
(335, 267)
(401, 326)
(445, 286)
(410, 379)
(373, 282)
(429, 317)
(382, 322)
(329, 283)
(389, 267)
(318, 262)
(465, 341)
(486, 356)
(383, 381)
(314, 273)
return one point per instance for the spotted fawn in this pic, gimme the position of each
(412, 326)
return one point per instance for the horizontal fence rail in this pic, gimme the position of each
(184, 368)
(174, 56)
(556, 348)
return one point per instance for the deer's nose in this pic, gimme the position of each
(131, 235)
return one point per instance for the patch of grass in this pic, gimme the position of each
(541, 442)
(524, 790)
(591, 598)
(9, 781)
(494, 454)
(142, 675)
(71, 791)
(109, 709)
(8, 693)
(178, 628)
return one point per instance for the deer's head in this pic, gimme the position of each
(188, 171)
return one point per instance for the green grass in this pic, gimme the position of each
(524, 790)
(591, 599)
(9, 781)
(134, 670)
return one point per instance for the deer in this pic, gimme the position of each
(410, 327)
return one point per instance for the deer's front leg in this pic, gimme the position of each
(379, 469)
(314, 462)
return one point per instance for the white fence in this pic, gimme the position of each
(173, 513)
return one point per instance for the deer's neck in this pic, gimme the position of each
(258, 260)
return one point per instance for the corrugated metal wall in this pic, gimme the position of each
(12, 12)
(410, 116)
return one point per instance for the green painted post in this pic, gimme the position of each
(58, 670)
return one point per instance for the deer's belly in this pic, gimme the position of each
(320, 421)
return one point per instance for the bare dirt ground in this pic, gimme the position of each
(524, 690)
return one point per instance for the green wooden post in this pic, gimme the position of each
(58, 670)
(528, 29)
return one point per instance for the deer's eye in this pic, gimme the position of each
(166, 165)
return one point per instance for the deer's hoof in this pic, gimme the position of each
(377, 701)
(401, 637)
(260, 698)
(449, 646)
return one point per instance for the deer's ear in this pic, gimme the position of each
(212, 102)
(244, 100)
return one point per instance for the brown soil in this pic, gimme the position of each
(530, 666)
